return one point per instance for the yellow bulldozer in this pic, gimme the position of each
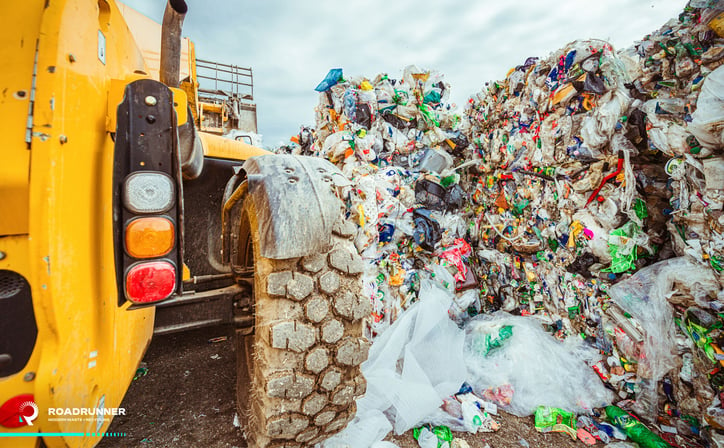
(124, 212)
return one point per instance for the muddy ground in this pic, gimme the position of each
(187, 399)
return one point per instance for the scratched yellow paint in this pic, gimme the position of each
(56, 198)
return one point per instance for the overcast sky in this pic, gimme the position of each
(291, 45)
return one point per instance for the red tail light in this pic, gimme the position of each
(150, 282)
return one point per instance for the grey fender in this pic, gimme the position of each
(295, 203)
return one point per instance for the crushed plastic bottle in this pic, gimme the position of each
(634, 429)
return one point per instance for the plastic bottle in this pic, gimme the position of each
(634, 429)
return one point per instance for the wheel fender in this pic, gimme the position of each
(295, 202)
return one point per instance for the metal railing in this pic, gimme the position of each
(219, 81)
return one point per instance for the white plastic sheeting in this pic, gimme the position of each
(411, 367)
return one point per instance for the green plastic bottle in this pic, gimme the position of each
(634, 429)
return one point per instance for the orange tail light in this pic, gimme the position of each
(149, 237)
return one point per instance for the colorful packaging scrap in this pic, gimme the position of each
(585, 190)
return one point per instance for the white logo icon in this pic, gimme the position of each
(29, 418)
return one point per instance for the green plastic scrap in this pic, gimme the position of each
(666, 49)
(573, 311)
(450, 180)
(400, 97)
(484, 344)
(716, 263)
(432, 96)
(538, 233)
(634, 429)
(518, 207)
(640, 209)
(553, 244)
(549, 419)
(443, 433)
(428, 115)
(141, 371)
(693, 51)
(623, 251)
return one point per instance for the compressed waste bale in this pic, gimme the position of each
(575, 172)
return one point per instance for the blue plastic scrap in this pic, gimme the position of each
(332, 78)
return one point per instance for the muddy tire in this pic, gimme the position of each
(298, 373)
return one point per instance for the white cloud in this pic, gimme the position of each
(292, 44)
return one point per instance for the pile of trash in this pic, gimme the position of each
(575, 205)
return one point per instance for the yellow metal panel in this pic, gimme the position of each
(20, 32)
(19, 27)
(193, 83)
(115, 97)
(211, 107)
(180, 105)
(224, 148)
(147, 34)
(88, 346)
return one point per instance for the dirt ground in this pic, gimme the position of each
(514, 432)
(187, 399)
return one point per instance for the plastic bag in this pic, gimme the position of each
(714, 178)
(368, 427)
(598, 127)
(426, 439)
(441, 418)
(435, 160)
(416, 363)
(644, 296)
(411, 367)
(623, 244)
(331, 79)
(438, 437)
(540, 370)
(427, 229)
(708, 120)
(476, 420)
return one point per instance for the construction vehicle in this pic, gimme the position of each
(120, 218)
(227, 102)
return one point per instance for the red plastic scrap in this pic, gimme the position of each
(619, 168)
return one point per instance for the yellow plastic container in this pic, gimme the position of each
(717, 24)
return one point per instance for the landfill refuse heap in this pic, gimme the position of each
(584, 190)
